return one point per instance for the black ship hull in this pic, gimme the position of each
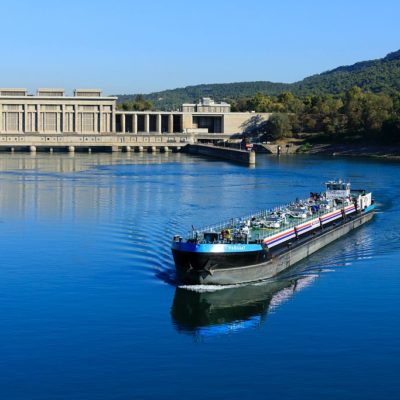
(221, 268)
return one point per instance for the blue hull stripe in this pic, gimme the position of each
(313, 224)
(334, 216)
(215, 248)
(307, 228)
(281, 239)
(369, 208)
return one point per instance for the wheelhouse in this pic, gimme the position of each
(337, 189)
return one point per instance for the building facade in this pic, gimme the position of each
(51, 112)
(206, 105)
(88, 112)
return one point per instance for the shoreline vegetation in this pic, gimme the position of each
(355, 118)
(353, 150)
(355, 123)
(372, 151)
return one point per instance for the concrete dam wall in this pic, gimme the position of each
(226, 153)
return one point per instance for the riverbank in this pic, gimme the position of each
(360, 150)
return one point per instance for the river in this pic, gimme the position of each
(90, 308)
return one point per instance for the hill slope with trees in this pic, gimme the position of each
(381, 75)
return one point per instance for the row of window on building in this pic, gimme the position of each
(18, 122)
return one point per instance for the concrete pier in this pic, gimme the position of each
(226, 153)
(277, 149)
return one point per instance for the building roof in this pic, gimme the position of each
(54, 92)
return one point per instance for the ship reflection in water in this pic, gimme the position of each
(204, 311)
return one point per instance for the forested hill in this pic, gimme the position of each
(174, 98)
(381, 75)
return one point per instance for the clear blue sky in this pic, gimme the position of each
(143, 46)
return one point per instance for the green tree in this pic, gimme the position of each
(260, 103)
(353, 108)
(278, 126)
(377, 108)
(139, 104)
(290, 103)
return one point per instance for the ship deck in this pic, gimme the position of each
(255, 233)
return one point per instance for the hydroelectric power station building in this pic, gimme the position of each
(50, 118)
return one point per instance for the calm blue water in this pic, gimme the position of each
(89, 308)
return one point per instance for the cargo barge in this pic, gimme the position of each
(262, 245)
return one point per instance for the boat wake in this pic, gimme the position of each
(211, 288)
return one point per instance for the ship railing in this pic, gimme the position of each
(291, 224)
(234, 222)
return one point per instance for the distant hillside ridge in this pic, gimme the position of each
(172, 99)
(380, 75)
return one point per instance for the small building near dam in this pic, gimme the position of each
(58, 119)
